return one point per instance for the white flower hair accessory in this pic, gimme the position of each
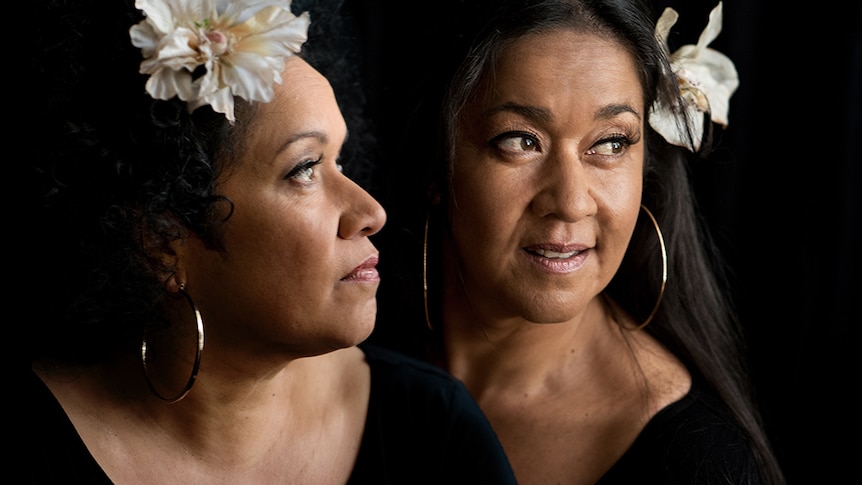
(707, 78)
(208, 51)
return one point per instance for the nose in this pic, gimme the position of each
(362, 215)
(566, 191)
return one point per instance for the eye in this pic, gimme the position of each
(304, 171)
(515, 142)
(610, 146)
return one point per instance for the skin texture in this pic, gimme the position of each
(281, 382)
(285, 282)
(542, 171)
(550, 161)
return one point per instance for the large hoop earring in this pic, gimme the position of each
(425, 271)
(663, 268)
(199, 323)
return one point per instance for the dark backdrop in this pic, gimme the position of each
(783, 199)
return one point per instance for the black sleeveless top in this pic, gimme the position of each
(423, 427)
(693, 441)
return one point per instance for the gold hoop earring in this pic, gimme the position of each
(199, 323)
(663, 268)
(425, 272)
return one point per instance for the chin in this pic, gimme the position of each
(549, 309)
(355, 332)
(364, 333)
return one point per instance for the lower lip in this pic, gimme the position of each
(556, 265)
(363, 275)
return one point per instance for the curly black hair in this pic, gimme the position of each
(120, 176)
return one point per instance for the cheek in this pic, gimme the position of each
(267, 246)
(482, 203)
(266, 276)
(619, 210)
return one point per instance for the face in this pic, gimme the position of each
(297, 273)
(547, 177)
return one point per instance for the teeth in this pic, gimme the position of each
(555, 255)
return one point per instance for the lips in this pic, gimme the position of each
(556, 251)
(556, 258)
(367, 271)
(554, 254)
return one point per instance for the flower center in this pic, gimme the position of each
(220, 43)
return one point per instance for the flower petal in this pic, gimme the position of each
(234, 47)
(715, 75)
(251, 76)
(159, 14)
(221, 102)
(703, 73)
(145, 37)
(665, 22)
(713, 28)
(174, 52)
(239, 11)
(167, 83)
(284, 39)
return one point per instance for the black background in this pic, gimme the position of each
(783, 199)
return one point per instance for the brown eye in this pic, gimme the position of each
(516, 142)
(610, 146)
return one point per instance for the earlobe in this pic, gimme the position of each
(177, 259)
(175, 282)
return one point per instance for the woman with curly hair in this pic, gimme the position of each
(206, 267)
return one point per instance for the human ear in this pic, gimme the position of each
(162, 245)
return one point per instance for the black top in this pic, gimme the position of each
(693, 441)
(423, 427)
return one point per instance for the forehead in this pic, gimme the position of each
(303, 102)
(556, 61)
(302, 89)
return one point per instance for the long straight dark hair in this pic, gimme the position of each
(696, 319)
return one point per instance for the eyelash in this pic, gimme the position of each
(621, 143)
(306, 167)
(499, 141)
(530, 142)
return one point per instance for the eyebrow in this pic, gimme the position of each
(612, 110)
(319, 135)
(533, 112)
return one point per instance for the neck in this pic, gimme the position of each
(229, 416)
(523, 356)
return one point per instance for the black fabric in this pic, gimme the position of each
(422, 428)
(783, 198)
(693, 441)
(57, 454)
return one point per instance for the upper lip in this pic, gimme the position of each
(369, 263)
